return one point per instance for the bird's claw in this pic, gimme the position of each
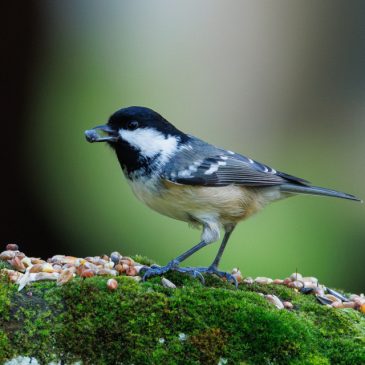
(223, 274)
(195, 272)
(211, 270)
(156, 270)
(191, 271)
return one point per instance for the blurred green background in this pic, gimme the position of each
(282, 82)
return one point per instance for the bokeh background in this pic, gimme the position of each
(282, 82)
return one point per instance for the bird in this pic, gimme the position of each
(185, 178)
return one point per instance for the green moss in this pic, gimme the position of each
(145, 323)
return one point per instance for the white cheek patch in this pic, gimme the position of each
(150, 142)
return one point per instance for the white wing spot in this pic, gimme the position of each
(224, 157)
(184, 173)
(222, 163)
(213, 168)
(250, 160)
(230, 152)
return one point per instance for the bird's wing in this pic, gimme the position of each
(217, 167)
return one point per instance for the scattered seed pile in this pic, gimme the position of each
(306, 285)
(62, 269)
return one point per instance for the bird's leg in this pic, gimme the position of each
(217, 259)
(213, 268)
(173, 264)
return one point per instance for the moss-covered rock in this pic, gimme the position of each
(145, 323)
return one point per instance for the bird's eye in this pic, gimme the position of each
(132, 125)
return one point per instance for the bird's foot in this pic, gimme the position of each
(211, 270)
(156, 270)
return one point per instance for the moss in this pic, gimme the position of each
(145, 323)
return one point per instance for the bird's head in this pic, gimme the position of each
(137, 134)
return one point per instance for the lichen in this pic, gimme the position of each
(145, 323)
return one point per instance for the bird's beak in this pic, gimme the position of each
(93, 135)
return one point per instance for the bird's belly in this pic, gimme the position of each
(159, 199)
(228, 204)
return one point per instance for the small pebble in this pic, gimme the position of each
(324, 300)
(88, 273)
(36, 268)
(109, 265)
(12, 275)
(348, 305)
(35, 261)
(7, 255)
(115, 257)
(310, 279)
(359, 301)
(106, 272)
(248, 280)
(337, 295)
(305, 290)
(26, 261)
(288, 305)
(278, 281)
(296, 284)
(275, 300)
(263, 280)
(119, 268)
(66, 276)
(112, 284)
(131, 271)
(40, 276)
(17, 264)
(127, 260)
(296, 276)
(332, 298)
(12, 247)
(47, 267)
(337, 304)
(168, 284)
(309, 284)
(319, 291)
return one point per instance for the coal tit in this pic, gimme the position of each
(185, 178)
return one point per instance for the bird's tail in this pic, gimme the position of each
(316, 190)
